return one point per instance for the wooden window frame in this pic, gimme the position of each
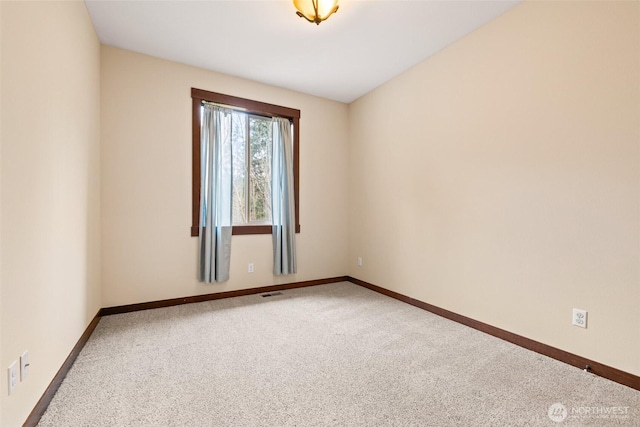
(252, 107)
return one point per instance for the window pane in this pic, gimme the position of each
(239, 144)
(260, 169)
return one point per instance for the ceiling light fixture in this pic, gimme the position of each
(315, 10)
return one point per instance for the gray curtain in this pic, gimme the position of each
(216, 205)
(282, 199)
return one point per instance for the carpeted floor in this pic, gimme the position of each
(335, 354)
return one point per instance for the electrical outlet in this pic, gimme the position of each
(24, 366)
(579, 318)
(359, 261)
(13, 376)
(250, 267)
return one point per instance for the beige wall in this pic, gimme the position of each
(500, 178)
(50, 205)
(147, 251)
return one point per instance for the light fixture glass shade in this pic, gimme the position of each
(315, 10)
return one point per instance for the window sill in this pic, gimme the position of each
(240, 230)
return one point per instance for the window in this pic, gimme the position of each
(251, 142)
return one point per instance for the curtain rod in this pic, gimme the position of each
(231, 107)
(241, 109)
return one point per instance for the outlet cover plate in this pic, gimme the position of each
(12, 376)
(579, 318)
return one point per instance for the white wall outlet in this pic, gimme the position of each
(359, 261)
(250, 267)
(579, 318)
(24, 366)
(12, 375)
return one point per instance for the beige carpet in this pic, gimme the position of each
(335, 354)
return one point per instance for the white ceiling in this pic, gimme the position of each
(363, 45)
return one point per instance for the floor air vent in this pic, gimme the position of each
(272, 294)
